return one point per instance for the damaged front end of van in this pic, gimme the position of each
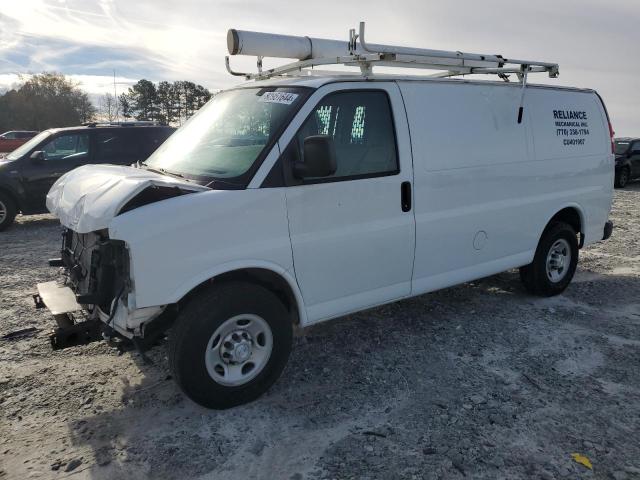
(94, 295)
(138, 240)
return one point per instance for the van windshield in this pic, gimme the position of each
(226, 137)
(25, 147)
(621, 148)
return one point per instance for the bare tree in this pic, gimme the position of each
(108, 107)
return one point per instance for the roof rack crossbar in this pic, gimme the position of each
(366, 56)
(126, 123)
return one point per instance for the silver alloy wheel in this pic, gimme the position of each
(3, 212)
(239, 349)
(558, 260)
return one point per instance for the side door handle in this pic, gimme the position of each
(405, 196)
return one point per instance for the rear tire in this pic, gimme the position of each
(622, 178)
(554, 263)
(7, 211)
(230, 344)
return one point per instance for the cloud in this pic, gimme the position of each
(35, 54)
(79, 36)
(595, 42)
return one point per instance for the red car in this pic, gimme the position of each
(9, 141)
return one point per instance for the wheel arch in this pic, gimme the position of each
(13, 196)
(626, 166)
(272, 277)
(571, 214)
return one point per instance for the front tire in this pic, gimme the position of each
(622, 178)
(230, 344)
(7, 211)
(554, 263)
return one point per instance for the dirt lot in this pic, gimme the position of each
(480, 380)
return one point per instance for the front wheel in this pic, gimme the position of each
(554, 263)
(7, 211)
(229, 345)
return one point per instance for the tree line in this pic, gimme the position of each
(50, 100)
(45, 101)
(166, 102)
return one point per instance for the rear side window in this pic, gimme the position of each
(73, 146)
(117, 146)
(621, 148)
(361, 125)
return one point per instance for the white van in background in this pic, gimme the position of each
(291, 200)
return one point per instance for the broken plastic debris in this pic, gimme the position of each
(20, 333)
(582, 460)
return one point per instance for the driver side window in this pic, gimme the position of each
(65, 147)
(361, 125)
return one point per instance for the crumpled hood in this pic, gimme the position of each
(87, 198)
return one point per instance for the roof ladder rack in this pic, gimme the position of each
(312, 52)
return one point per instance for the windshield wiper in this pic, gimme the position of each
(163, 171)
(216, 180)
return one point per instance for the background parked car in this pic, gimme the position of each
(627, 160)
(27, 173)
(11, 140)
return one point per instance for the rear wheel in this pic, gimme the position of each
(554, 263)
(7, 211)
(622, 178)
(229, 345)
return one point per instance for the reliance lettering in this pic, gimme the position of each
(569, 114)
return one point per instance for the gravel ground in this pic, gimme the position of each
(480, 380)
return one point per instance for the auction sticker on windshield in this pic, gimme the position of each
(285, 98)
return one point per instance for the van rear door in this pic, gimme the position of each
(352, 234)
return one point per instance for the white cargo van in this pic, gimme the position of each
(295, 198)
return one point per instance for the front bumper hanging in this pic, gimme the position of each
(61, 302)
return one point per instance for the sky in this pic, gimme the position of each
(596, 42)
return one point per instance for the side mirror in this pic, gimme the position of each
(37, 156)
(319, 158)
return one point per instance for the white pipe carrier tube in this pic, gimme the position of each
(242, 42)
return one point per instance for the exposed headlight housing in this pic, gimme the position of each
(98, 267)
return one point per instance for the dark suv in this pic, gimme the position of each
(27, 173)
(627, 160)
